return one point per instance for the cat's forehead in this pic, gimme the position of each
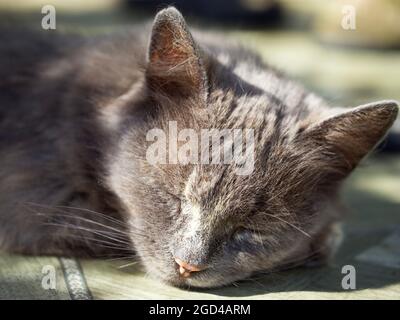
(265, 113)
(219, 188)
(201, 181)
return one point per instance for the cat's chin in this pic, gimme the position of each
(207, 283)
(204, 281)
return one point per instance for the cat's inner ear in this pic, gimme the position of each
(350, 135)
(174, 63)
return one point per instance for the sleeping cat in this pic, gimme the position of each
(75, 180)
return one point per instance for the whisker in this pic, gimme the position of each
(59, 207)
(88, 230)
(290, 224)
(127, 265)
(119, 258)
(118, 234)
(95, 212)
(99, 241)
(132, 229)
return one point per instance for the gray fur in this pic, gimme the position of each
(74, 114)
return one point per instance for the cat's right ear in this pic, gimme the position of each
(174, 65)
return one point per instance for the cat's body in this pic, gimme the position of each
(49, 157)
(74, 114)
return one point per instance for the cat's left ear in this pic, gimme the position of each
(175, 67)
(350, 135)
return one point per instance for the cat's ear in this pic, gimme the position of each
(174, 63)
(349, 136)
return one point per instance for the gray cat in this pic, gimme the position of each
(75, 179)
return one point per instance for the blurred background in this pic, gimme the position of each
(346, 50)
(303, 37)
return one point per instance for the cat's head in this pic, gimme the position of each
(206, 225)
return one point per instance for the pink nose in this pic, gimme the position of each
(185, 269)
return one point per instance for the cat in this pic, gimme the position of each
(75, 180)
